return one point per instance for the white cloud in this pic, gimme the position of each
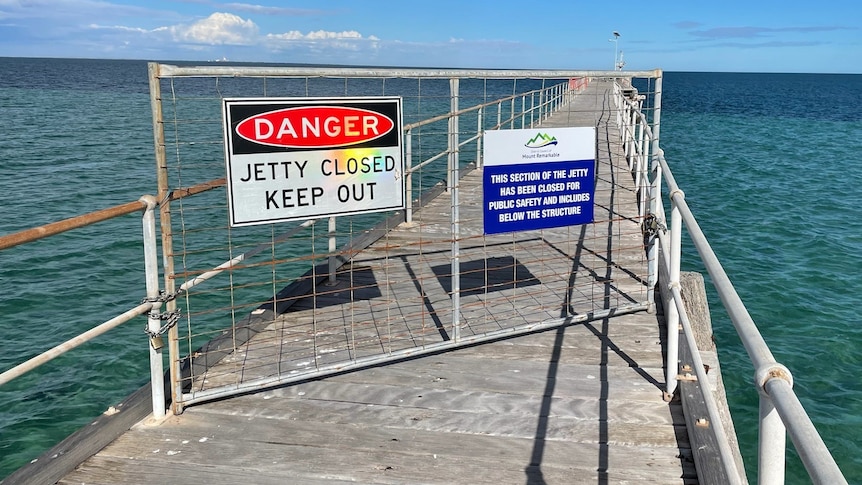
(320, 35)
(120, 28)
(217, 29)
(347, 40)
(236, 30)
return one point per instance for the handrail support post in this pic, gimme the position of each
(671, 312)
(455, 216)
(772, 440)
(154, 322)
(408, 177)
(333, 259)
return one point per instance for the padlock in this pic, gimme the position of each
(157, 342)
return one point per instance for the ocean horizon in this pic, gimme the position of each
(768, 163)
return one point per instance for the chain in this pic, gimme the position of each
(170, 319)
(163, 297)
(651, 225)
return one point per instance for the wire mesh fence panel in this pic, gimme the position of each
(292, 300)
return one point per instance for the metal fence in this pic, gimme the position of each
(250, 311)
(222, 285)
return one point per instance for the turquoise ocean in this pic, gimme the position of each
(769, 164)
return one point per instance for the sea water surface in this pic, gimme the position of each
(769, 164)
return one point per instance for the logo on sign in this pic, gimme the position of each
(315, 127)
(541, 140)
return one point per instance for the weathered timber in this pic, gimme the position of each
(704, 442)
(580, 403)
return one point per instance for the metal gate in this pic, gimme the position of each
(268, 304)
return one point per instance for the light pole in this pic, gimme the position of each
(614, 40)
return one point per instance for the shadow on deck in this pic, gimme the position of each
(576, 400)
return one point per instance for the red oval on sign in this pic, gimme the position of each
(315, 127)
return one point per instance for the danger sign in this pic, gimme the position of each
(305, 158)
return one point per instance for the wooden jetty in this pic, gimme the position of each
(579, 403)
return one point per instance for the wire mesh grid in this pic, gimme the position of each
(276, 313)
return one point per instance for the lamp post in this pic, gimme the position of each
(614, 40)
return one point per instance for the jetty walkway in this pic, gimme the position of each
(579, 402)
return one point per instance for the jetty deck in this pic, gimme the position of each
(579, 403)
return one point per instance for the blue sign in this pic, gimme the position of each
(538, 179)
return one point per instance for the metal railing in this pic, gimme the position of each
(781, 412)
(535, 105)
(520, 109)
(150, 305)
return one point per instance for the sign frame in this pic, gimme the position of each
(538, 178)
(300, 158)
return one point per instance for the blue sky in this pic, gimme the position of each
(692, 35)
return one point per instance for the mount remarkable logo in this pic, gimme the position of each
(541, 140)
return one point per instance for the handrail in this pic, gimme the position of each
(151, 304)
(781, 412)
(70, 344)
(357, 72)
(724, 448)
(449, 115)
(815, 456)
(34, 234)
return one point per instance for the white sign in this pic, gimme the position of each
(305, 158)
(538, 178)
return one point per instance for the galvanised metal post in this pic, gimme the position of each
(479, 134)
(333, 260)
(632, 133)
(408, 177)
(772, 440)
(556, 93)
(652, 239)
(559, 92)
(656, 116)
(543, 108)
(652, 258)
(626, 133)
(535, 106)
(456, 228)
(638, 151)
(512, 114)
(812, 451)
(671, 312)
(154, 323)
(524, 109)
(642, 166)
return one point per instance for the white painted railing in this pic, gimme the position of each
(781, 413)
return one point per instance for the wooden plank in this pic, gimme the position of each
(402, 455)
(577, 404)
